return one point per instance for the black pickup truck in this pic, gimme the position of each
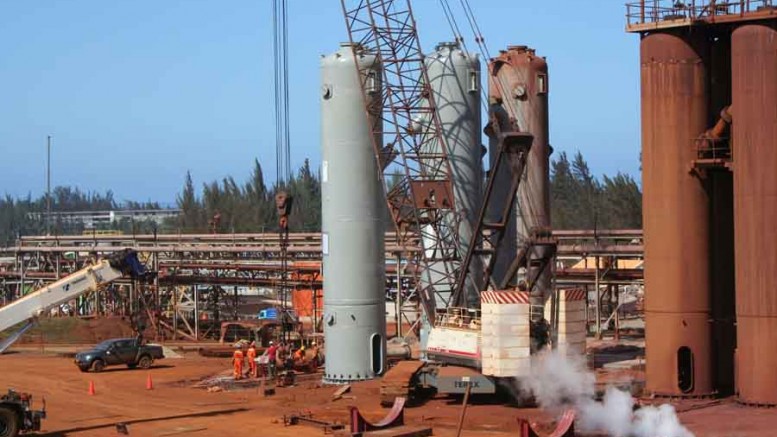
(127, 351)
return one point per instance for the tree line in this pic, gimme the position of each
(579, 200)
(226, 206)
(26, 215)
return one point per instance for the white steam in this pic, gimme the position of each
(558, 381)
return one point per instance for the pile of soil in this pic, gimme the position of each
(73, 330)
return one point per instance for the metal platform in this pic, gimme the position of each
(651, 15)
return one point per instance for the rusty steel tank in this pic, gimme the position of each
(754, 94)
(675, 215)
(519, 80)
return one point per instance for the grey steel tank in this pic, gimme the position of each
(454, 76)
(352, 225)
(519, 80)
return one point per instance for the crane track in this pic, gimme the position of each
(399, 382)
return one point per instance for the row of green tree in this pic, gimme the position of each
(26, 215)
(226, 206)
(579, 200)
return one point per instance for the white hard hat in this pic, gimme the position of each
(271, 342)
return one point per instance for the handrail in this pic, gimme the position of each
(653, 11)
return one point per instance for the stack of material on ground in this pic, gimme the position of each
(506, 339)
(168, 352)
(571, 321)
(226, 381)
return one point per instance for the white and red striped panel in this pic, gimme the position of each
(573, 294)
(504, 297)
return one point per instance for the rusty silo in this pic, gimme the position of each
(519, 79)
(675, 214)
(754, 89)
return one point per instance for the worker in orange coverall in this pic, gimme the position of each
(251, 357)
(237, 362)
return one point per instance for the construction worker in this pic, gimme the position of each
(237, 362)
(251, 357)
(272, 355)
(299, 356)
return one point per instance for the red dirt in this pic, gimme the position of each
(122, 397)
(72, 330)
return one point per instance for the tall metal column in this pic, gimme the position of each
(598, 303)
(175, 312)
(399, 295)
(196, 312)
(48, 185)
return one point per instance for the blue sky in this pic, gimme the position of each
(135, 93)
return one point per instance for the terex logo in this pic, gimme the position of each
(464, 384)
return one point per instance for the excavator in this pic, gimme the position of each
(16, 410)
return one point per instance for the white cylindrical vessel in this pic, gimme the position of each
(454, 76)
(352, 227)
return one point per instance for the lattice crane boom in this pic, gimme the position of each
(420, 197)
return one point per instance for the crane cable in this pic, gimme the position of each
(282, 151)
(527, 209)
(281, 82)
(481, 45)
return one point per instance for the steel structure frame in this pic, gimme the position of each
(198, 273)
(421, 200)
(511, 157)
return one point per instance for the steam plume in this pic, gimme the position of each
(558, 381)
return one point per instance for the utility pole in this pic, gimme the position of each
(48, 185)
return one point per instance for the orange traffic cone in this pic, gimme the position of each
(149, 383)
(91, 388)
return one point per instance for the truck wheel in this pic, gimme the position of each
(98, 366)
(144, 362)
(9, 422)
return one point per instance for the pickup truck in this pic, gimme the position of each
(127, 351)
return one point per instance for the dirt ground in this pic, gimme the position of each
(121, 396)
(174, 407)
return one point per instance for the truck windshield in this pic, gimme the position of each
(104, 345)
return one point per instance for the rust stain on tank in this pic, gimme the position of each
(518, 78)
(675, 214)
(754, 91)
